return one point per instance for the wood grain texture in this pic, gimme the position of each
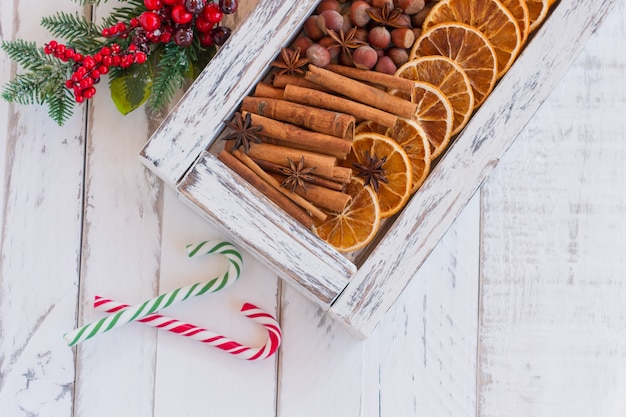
(428, 343)
(197, 119)
(466, 164)
(552, 259)
(293, 252)
(41, 180)
(190, 374)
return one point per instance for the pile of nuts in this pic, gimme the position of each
(368, 34)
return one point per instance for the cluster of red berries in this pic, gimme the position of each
(89, 68)
(180, 21)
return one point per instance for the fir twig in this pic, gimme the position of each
(123, 14)
(75, 29)
(169, 75)
(26, 53)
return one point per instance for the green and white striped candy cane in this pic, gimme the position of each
(148, 307)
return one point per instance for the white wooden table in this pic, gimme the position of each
(519, 311)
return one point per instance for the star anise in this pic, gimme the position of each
(290, 62)
(372, 170)
(297, 175)
(243, 132)
(388, 16)
(346, 42)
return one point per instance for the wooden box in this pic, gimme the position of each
(355, 292)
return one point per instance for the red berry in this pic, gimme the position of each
(153, 4)
(103, 70)
(89, 62)
(69, 84)
(115, 48)
(107, 60)
(78, 57)
(149, 21)
(183, 36)
(206, 39)
(181, 15)
(134, 22)
(195, 6)
(97, 57)
(52, 44)
(220, 35)
(228, 6)
(212, 13)
(169, 2)
(203, 25)
(106, 32)
(79, 99)
(165, 37)
(89, 92)
(140, 58)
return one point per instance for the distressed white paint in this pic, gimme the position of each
(553, 266)
(197, 119)
(466, 164)
(41, 174)
(405, 246)
(545, 347)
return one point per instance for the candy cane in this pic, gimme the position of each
(206, 336)
(148, 307)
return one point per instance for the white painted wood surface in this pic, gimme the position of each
(518, 311)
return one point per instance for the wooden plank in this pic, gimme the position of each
(428, 346)
(275, 238)
(490, 132)
(121, 251)
(187, 372)
(323, 370)
(41, 179)
(552, 310)
(197, 119)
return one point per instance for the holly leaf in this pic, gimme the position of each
(131, 88)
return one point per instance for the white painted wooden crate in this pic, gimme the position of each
(356, 293)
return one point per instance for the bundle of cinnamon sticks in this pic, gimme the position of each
(307, 126)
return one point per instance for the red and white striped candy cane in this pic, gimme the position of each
(206, 336)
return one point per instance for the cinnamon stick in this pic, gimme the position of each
(361, 92)
(325, 165)
(281, 81)
(267, 90)
(296, 198)
(302, 139)
(379, 78)
(277, 169)
(265, 188)
(320, 196)
(331, 102)
(319, 120)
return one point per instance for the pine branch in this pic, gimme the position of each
(24, 89)
(169, 75)
(25, 53)
(123, 14)
(71, 27)
(60, 105)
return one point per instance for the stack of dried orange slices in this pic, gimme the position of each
(464, 48)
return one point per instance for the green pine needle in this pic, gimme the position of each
(169, 75)
(70, 26)
(26, 53)
(123, 14)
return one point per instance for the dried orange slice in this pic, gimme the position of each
(356, 225)
(370, 126)
(393, 183)
(413, 140)
(434, 115)
(488, 16)
(537, 12)
(468, 47)
(449, 78)
(519, 9)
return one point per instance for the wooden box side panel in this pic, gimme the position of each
(197, 118)
(491, 131)
(266, 231)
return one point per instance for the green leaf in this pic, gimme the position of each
(131, 88)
